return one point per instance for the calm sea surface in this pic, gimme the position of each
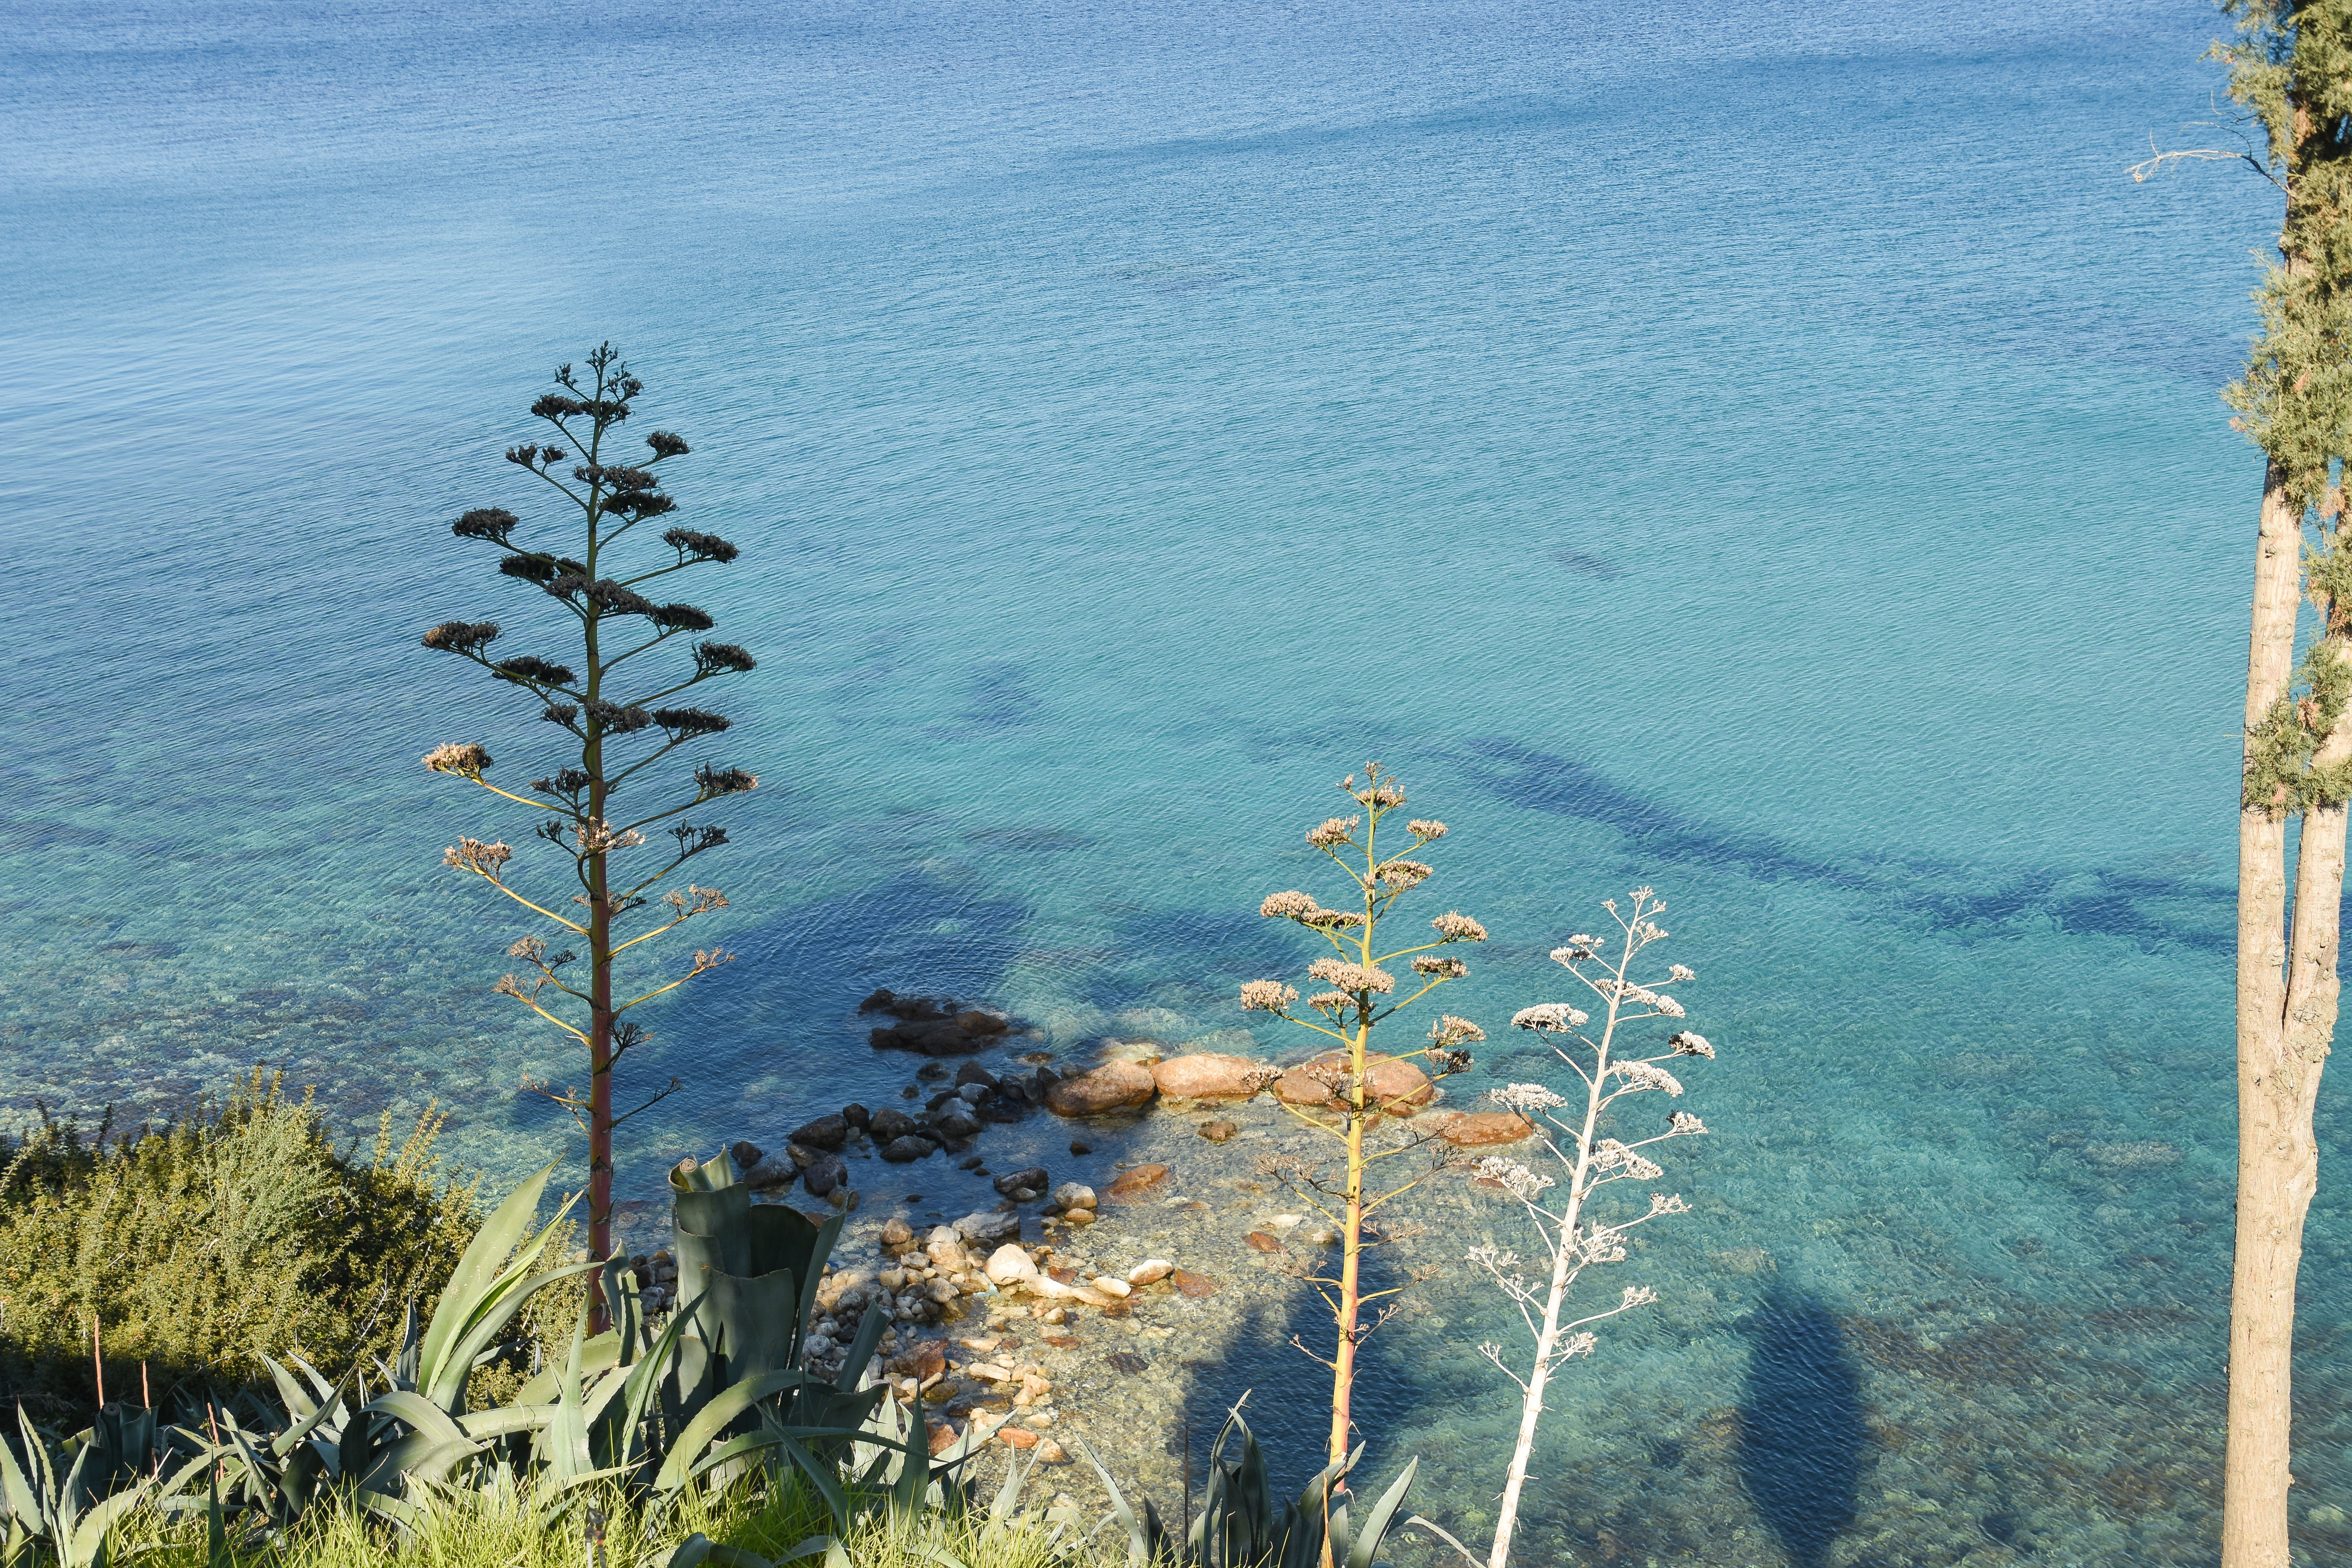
(1768, 450)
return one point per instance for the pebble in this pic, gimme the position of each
(1111, 1287)
(897, 1233)
(1033, 1180)
(1150, 1271)
(1218, 1131)
(1193, 1285)
(1136, 1180)
(988, 1226)
(1073, 1195)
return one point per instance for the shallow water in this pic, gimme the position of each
(1767, 451)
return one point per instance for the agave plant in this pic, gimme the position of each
(67, 1513)
(1236, 1526)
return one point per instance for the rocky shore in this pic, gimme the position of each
(1082, 1297)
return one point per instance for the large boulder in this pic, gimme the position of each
(1212, 1075)
(890, 1124)
(1008, 1265)
(824, 1133)
(1114, 1085)
(1398, 1086)
(828, 1173)
(908, 1150)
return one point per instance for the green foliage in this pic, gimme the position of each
(2290, 67)
(1237, 1526)
(199, 1246)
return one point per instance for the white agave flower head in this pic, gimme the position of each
(1690, 1043)
(1639, 1076)
(1683, 1124)
(1584, 1343)
(1610, 1155)
(1550, 1017)
(1513, 1178)
(1526, 1097)
(1681, 973)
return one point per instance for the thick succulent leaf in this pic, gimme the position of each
(86, 1546)
(645, 1380)
(17, 1488)
(287, 1441)
(713, 1418)
(753, 1320)
(861, 1350)
(297, 1399)
(420, 1412)
(504, 1421)
(476, 1271)
(1375, 1527)
(445, 1386)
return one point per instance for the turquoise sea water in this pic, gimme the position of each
(1769, 451)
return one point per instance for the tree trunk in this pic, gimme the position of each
(2287, 1016)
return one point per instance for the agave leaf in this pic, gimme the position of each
(645, 1380)
(504, 1421)
(86, 1546)
(421, 1414)
(826, 1478)
(1139, 1542)
(1375, 1527)
(476, 1271)
(445, 1384)
(299, 1403)
(713, 1418)
(16, 1489)
(326, 1391)
(406, 1515)
(1008, 1496)
(435, 1464)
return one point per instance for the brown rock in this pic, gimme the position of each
(1134, 1183)
(1211, 1075)
(1195, 1285)
(1474, 1129)
(1218, 1131)
(1114, 1085)
(1400, 1087)
(1063, 1341)
(1016, 1437)
(943, 1436)
(923, 1361)
(1262, 1242)
(1127, 1364)
(1309, 1085)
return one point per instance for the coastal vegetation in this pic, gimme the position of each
(2291, 70)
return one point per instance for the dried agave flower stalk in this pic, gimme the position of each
(1356, 997)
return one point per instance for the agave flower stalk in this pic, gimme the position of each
(1569, 1128)
(1356, 998)
(620, 723)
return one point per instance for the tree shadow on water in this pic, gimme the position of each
(1803, 1443)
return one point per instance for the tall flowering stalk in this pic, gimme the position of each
(1355, 1001)
(1574, 1239)
(608, 721)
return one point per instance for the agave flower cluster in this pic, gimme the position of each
(1565, 1206)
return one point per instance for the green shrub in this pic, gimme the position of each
(237, 1230)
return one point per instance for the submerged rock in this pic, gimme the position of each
(1211, 1075)
(906, 1150)
(1474, 1129)
(1034, 1180)
(989, 1227)
(1135, 1183)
